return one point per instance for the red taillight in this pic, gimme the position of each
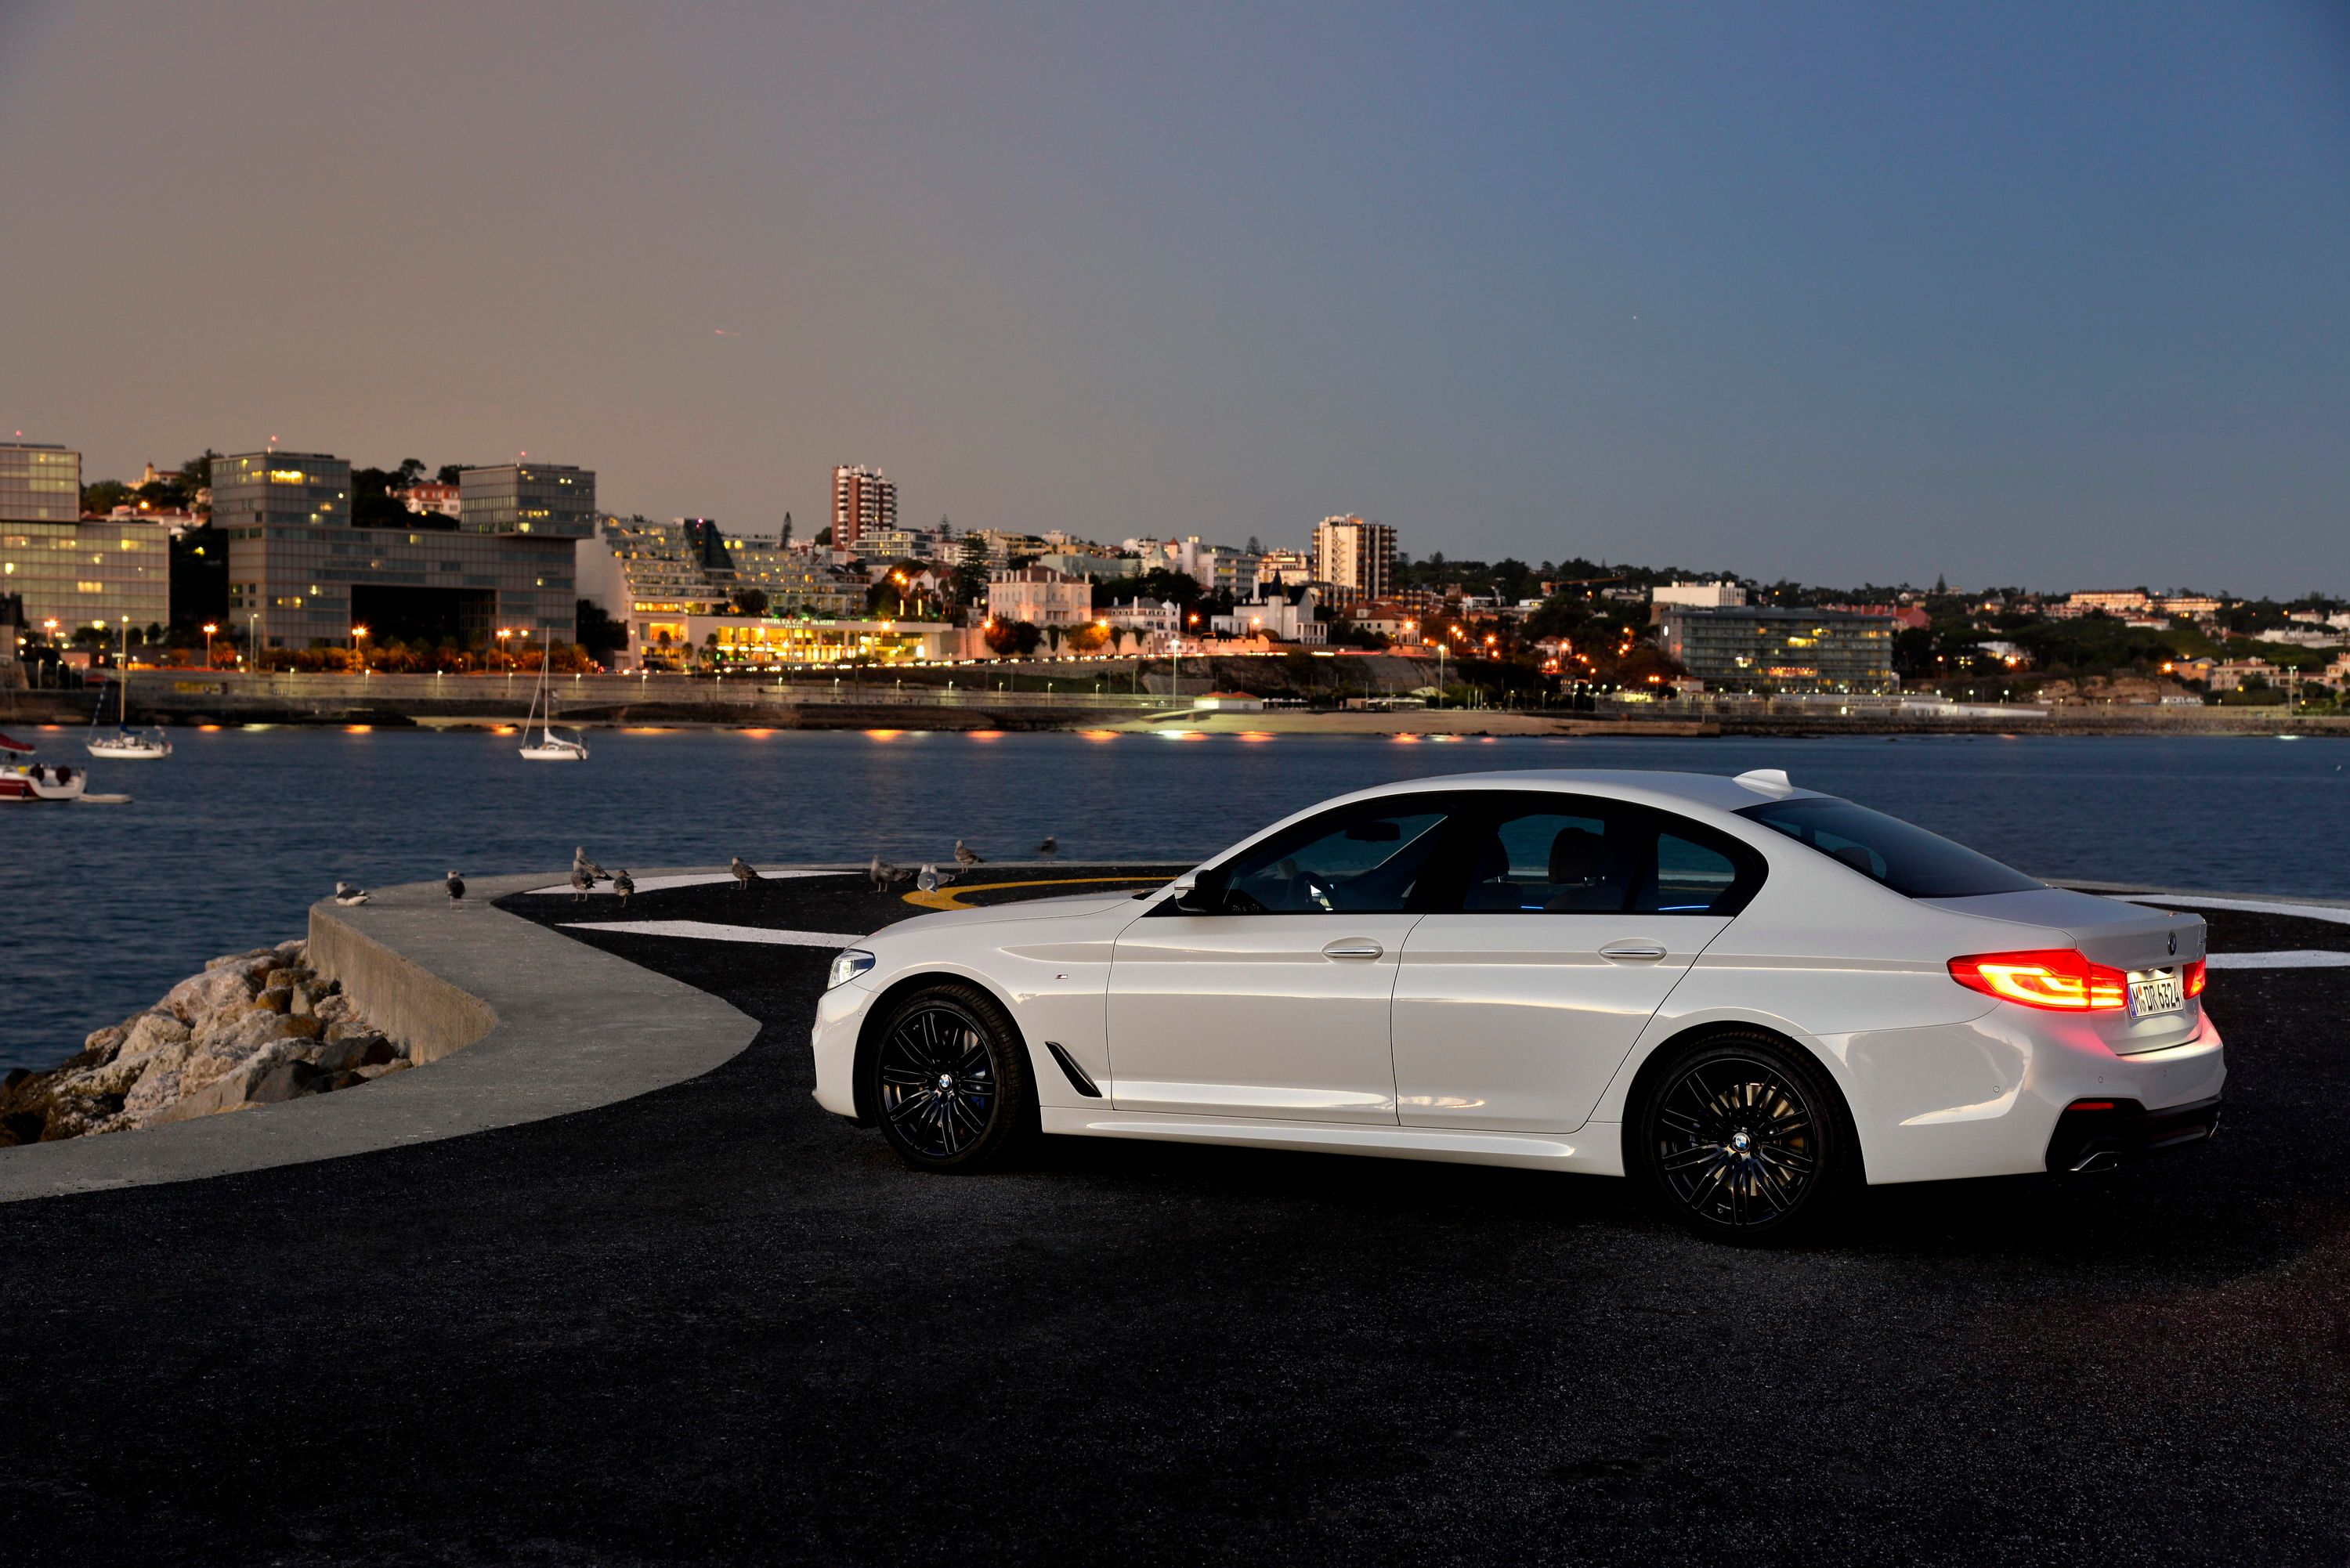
(2191, 978)
(2056, 977)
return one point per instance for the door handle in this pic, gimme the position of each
(1357, 947)
(1633, 952)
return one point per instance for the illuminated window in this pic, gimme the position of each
(91, 588)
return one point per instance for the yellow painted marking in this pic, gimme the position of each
(952, 900)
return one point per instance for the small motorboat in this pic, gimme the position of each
(22, 780)
(547, 745)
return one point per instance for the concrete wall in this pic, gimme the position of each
(407, 1002)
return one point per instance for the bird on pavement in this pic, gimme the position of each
(456, 886)
(624, 885)
(349, 894)
(580, 863)
(745, 873)
(966, 856)
(927, 879)
(880, 873)
(1051, 845)
(582, 884)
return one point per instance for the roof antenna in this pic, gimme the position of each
(1767, 781)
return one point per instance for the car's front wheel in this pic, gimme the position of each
(1743, 1139)
(950, 1080)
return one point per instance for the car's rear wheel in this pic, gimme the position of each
(950, 1080)
(1742, 1138)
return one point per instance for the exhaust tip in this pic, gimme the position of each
(2096, 1159)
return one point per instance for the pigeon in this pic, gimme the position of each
(350, 895)
(580, 863)
(966, 856)
(582, 884)
(745, 874)
(1051, 845)
(624, 885)
(456, 889)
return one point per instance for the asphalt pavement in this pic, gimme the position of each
(713, 1323)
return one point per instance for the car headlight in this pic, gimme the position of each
(847, 966)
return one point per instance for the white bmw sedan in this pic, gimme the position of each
(1747, 997)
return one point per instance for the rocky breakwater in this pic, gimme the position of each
(253, 1029)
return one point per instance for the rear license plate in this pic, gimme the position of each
(2155, 992)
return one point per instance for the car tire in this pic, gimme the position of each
(1742, 1138)
(948, 1082)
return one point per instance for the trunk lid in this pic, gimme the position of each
(2122, 936)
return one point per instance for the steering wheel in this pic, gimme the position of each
(1316, 889)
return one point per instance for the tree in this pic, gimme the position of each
(1013, 638)
(968, 582)
(449, 474)
(1254, 548)
(410, 471)
(104, 495)
(372, 505)
(824, 537)
(787, 529)
(196, 474)
(598, 633)
(750, 601)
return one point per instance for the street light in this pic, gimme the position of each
(359, 640)
(210, 628)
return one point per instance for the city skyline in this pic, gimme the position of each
(1822, 294)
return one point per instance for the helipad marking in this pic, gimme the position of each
(951, 900)
(712, 931)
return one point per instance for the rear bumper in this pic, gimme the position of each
(2099, 1135)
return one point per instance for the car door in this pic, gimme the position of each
(1578, 916)
(1269, 997)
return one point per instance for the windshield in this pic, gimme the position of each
(1906, 859)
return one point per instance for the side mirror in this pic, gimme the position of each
(1206, 894)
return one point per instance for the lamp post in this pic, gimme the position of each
(358, 642)
(211, 627)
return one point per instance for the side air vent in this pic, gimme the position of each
(1071, 1071)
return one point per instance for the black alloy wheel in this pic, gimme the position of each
(950, 1084)
(1743, 1139)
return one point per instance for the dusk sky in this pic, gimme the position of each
(2042, 294)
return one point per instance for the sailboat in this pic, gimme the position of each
(547, 746)
(21, 780)
(126, 744)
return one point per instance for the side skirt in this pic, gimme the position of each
(1596, 1150)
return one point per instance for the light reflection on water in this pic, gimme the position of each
(227, 844)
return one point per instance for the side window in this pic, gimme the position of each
(1369, 859)
(1692, 878)
(1568, 854)
(1576, 857)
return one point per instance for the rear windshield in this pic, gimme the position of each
(1905, 858)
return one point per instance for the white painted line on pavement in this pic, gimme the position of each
(712, 931)
(2292, 958)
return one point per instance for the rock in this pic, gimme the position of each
(105, 1041)
(15, 1076)
(281, 1081)
(350, 1080)
(399, 1065)
(221, 1051)
(294, 952)
(152, 1031)
(159, 1087)
(299, 1003)
(332, 1009)
(357, 1050)
(200, 995)
(278, 999)
(246, 957)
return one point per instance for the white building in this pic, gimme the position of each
(430, 500)
(1040, 595)
(1699, 596)
(1355, 557)
(1277, 618)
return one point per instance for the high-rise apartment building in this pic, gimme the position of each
(301, 576)
(80, 572)
(1355, 557)
(864, 500)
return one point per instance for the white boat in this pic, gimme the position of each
(546, 745)
(126, 744)
(22, 780)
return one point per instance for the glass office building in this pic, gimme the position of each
(1751, 649)
(300, 575)
(76, 571)
(545, 498)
